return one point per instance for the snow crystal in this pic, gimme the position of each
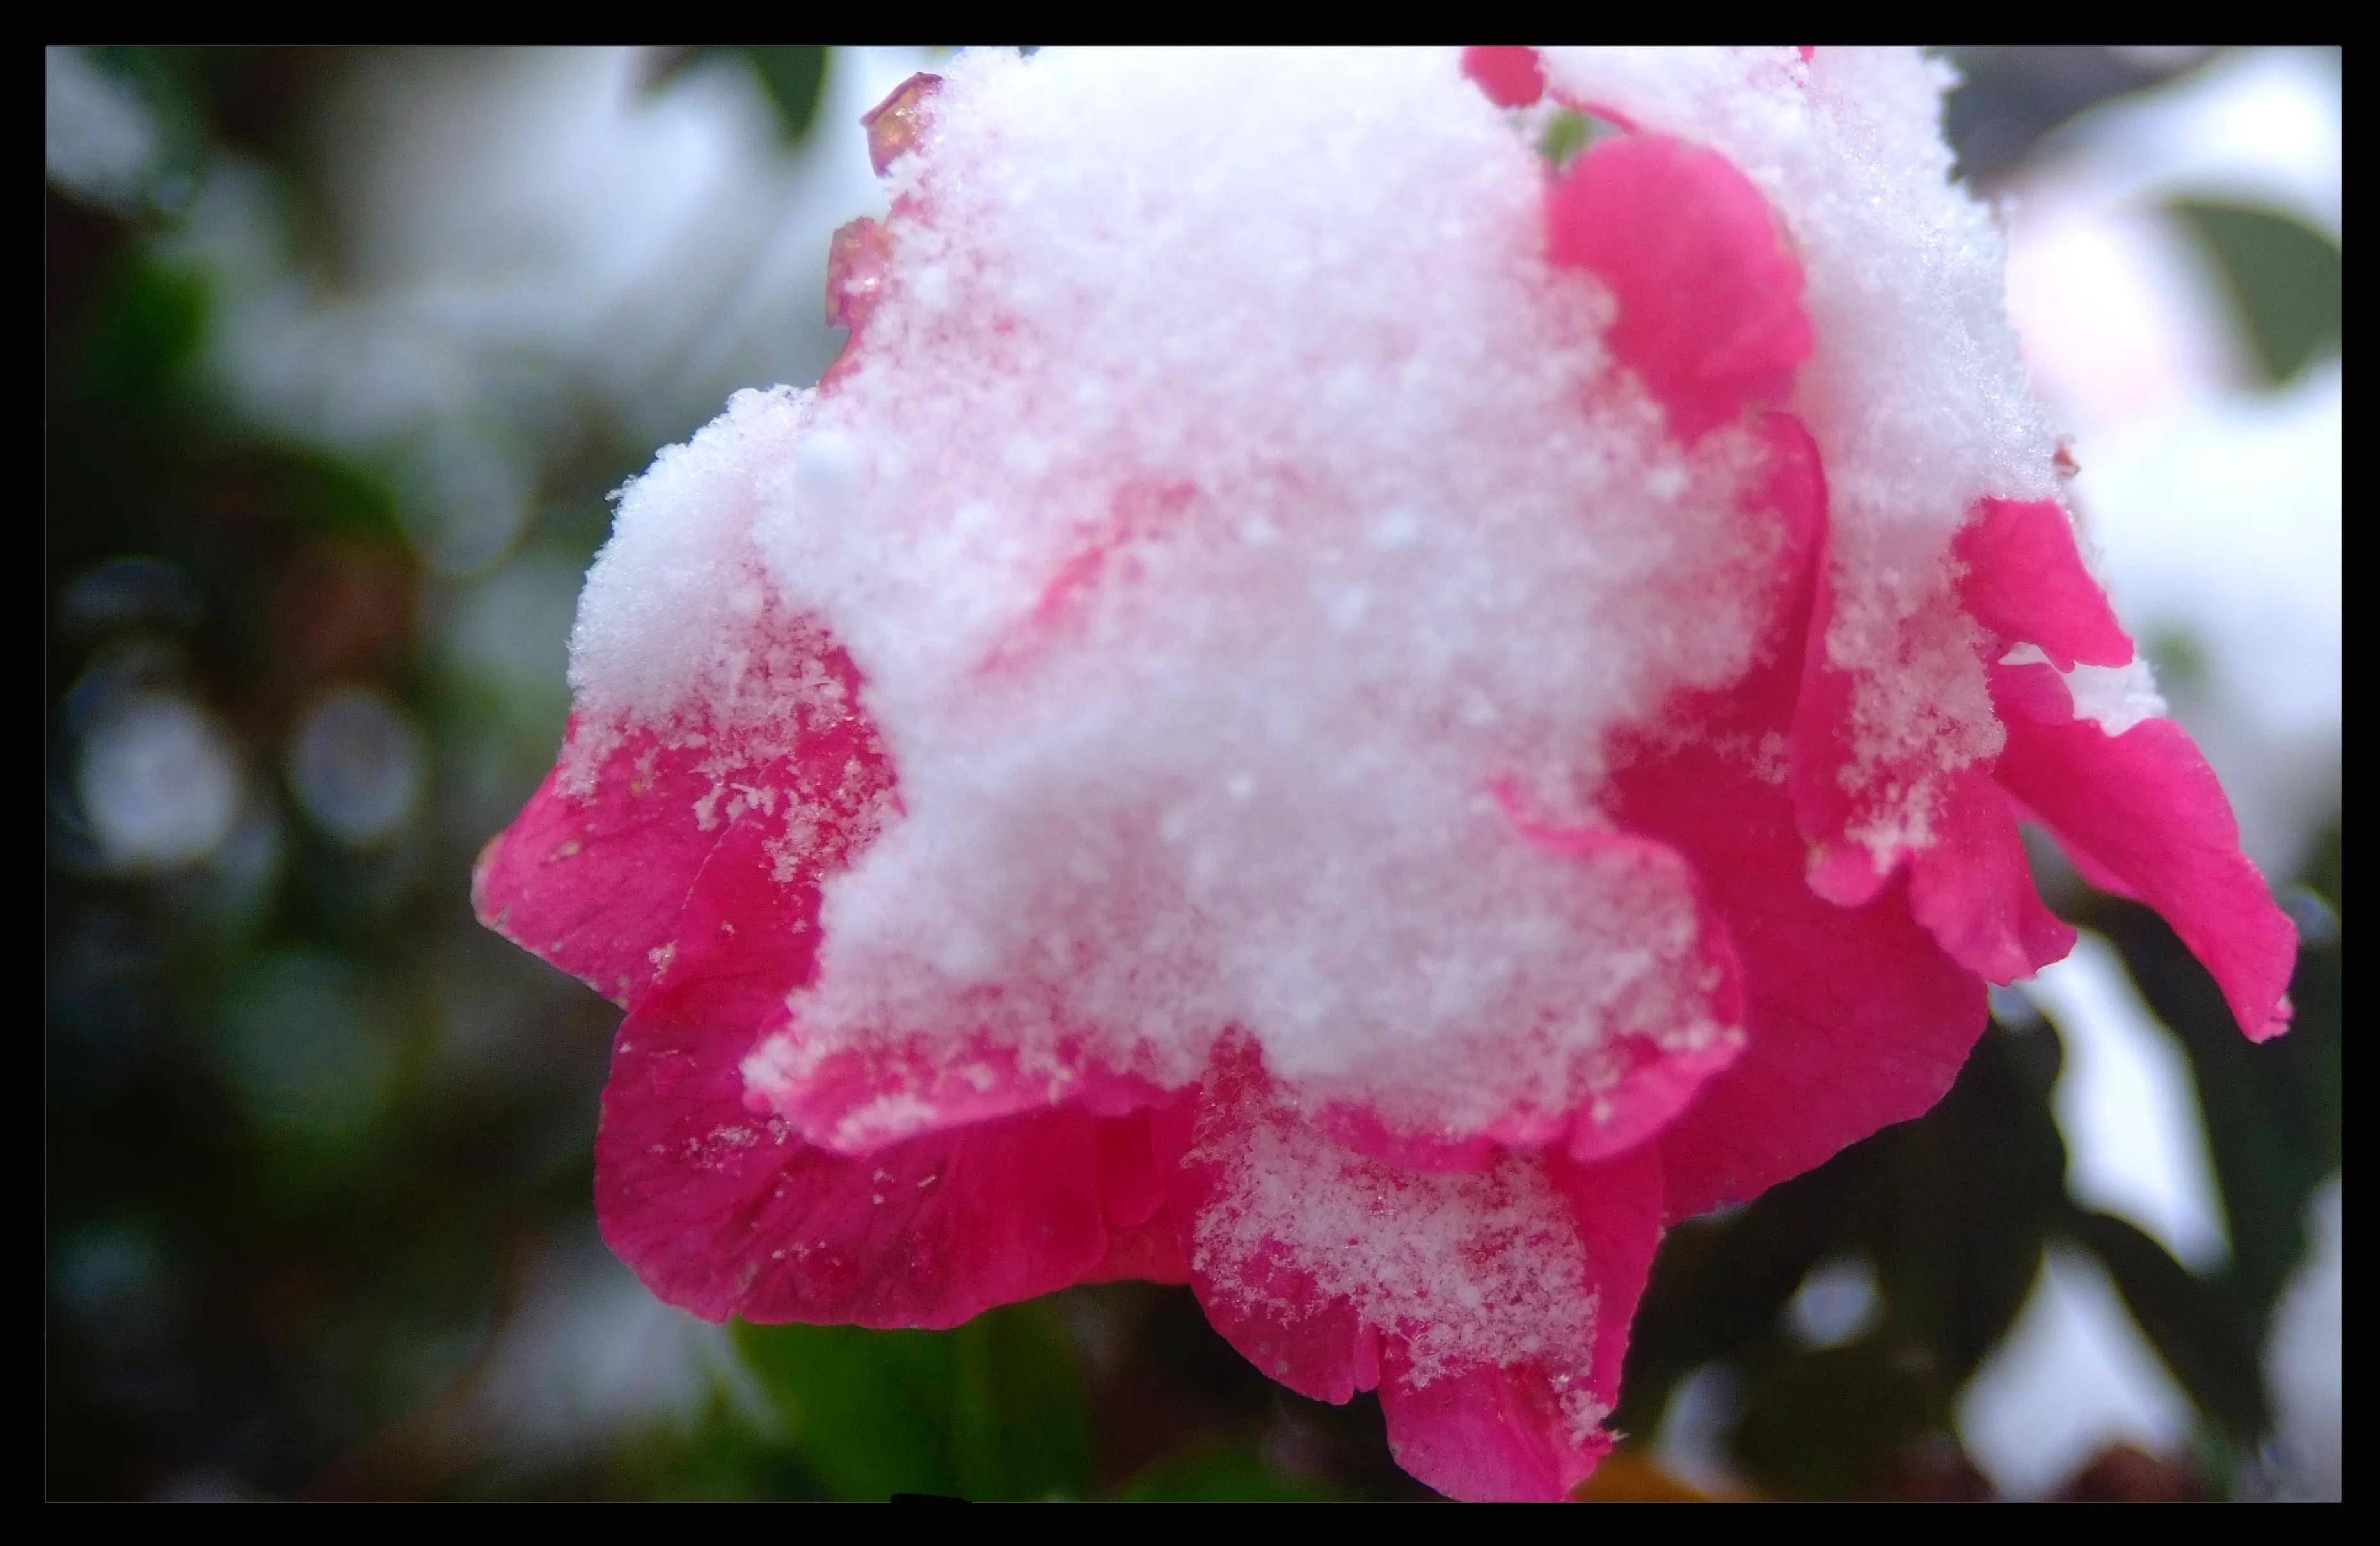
(2114, 697)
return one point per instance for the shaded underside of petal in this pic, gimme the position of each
(1855, 1018)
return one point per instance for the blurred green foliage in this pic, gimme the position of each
(314, 1140)
(2287, 279)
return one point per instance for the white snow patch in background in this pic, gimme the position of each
(98, 136)
(2128, 1107)
(2218, 506)
(2072, 1377)
(660, 242)
(159, 782)
(1836, 1304)
(2304, 1361)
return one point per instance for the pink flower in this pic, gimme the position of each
(1315, 710)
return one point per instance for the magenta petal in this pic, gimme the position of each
(2144, 807)
(723, 1213)
(595, 885)
(1521, 1434)
(597, 873)
(1511, 77)
(1488, 1436)
(1709, 292)
(1974, 891)
(2025, 581)
(857, 1100)
(1855, 1017)
(1490, 1309)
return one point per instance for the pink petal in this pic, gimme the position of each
(1854, 1016)
(1970, 883)
(1973, 890)
(595, 884)
(2145, 809)
(897, 125)
(1709, 292)
(1511, 77)
(1310, 1314)
(595, 873)
(1506, 1434)
(723, 1213)
(2025, 581)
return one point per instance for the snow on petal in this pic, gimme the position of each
(1920, 406)
(1490, 1307)
(1210, 559)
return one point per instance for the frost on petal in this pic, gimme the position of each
(2142, 808)
(1882, 779)
(1490, 1307)
(1709, 294)
(723, 1212)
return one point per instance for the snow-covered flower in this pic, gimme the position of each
(1319, 708)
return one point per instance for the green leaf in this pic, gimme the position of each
(993, 1410)
(1951, 1210)
(1966, 1199)
(1829, 1422)
(794, 77)
(2287, 278)
(145, 331)
(1216, 1474)
(2273, 1111)
(2194, 1325)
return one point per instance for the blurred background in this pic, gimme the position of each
(343, 350)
